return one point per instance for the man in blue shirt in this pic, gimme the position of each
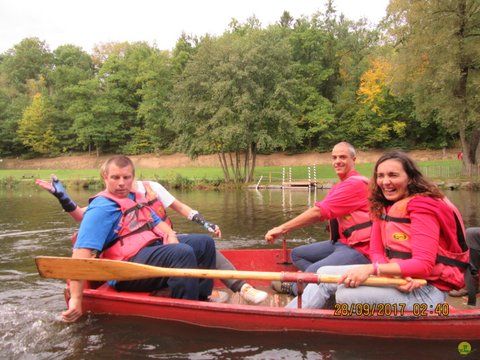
(104, 223)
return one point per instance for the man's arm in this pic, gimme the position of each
(169, 236)
(308, 217)
(74, 310)
(97, 226)
(195, 216)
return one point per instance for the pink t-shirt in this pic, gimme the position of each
(345, 197)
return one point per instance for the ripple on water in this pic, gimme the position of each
(17, 233)
(31, 333)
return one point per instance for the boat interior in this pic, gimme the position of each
(276, 260)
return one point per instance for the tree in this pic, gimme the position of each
(234, 98)
(35, 129)
(27, 60)
(286, 20)
(22, 75)
(71, 66)
(438, 63)
(330, 54)
(312, 72)
(95, 122)
(184, 49)
(156, 79)
(121, 81)
(12, 104)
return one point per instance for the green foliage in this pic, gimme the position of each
(11, 109)
(437, 62)
(35, 129)
(156, 79)
(298, 85)
(27, 60)
(234, 96)
(9, 182)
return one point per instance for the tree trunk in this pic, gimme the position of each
(237, 164)
(253, 152)
(461, 90)
(474, 146)
(235, 174)
(223, 163)
(245, 165)
(477, 153)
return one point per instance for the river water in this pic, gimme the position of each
(33, 224)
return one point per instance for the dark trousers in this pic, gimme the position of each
(311, 257)
(193, 251)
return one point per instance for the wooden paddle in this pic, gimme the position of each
(104, 270)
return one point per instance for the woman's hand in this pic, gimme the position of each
(356, 276)
(409, 286)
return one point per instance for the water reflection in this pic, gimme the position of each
(32, 223)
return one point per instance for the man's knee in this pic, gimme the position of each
(313, 268)
(296, 254)
(183, 255)
(303, 251)
(209, 242)
(200, 240)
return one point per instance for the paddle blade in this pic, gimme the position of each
(93, 269)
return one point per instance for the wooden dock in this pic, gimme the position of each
(300, 183)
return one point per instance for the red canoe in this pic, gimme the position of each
(448, 323)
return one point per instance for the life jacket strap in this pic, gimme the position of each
(334, 230)
(151, 202)
(145, 227)
(386, 217)
(460, 233)
(439, 259)
(134, 208)
(347, 232)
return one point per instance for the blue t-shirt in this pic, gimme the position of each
(100, 223)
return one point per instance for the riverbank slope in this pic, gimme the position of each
(178, 160)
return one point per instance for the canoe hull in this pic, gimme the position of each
(458, 325)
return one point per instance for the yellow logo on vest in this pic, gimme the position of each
(347, 217)
(400, 236)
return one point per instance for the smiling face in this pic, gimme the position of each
(392, 180)
(342, 160)
(118, 180)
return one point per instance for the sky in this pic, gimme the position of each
(159, 22)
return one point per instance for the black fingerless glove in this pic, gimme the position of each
(61, 194)
(199, 219)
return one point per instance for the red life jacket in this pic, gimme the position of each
(452, 253)
(156, 204)
(355, 227)
(136, 227)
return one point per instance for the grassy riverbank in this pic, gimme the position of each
(186, 177)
